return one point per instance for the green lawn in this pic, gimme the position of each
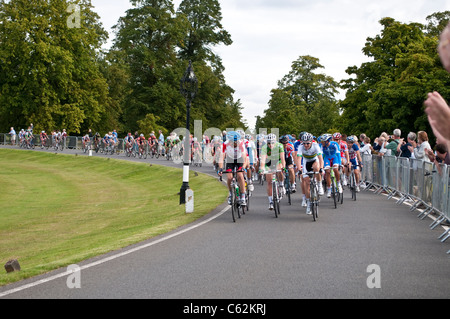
(56, 210)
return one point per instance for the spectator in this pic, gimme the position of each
(395, 142)
(422, 145)
(361, 139)
(13, 134)
(441, 156)
(376, 146)
(406, 148)
(382, 146)
(367, 148)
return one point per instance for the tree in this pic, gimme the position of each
(157, 45)
(48, 72)
(148, 36)
(303, 101)
(389, 92)
(205, 32)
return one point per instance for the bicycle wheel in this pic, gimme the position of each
(333, 192)
(314, 201)
(353, 185)
(276, 206)
(247, 198)
(287, 186)
(233, 209)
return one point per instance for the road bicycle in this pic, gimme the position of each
(314, 197)
(335, 194)
(236, 207)
(86, 146)
(352, 181)
(142, 151)
(277, 194)
(248, 194)
(287, 186)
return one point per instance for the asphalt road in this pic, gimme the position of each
(261, 257)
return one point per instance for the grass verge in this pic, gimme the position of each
(57, 210)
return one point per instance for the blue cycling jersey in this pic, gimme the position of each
(331, 150)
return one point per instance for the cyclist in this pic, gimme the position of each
(58, 137)
(272, 158)
(196, 151)
(129, 141)
(86, 140)
(141, 143)
(44, 139)
(345, 158)
(216, 147)
(97, 141)
(355, 159)
(251, 151)
(64, 137)
(106, 141)
(235, 152)
(153, 143)
(332, 159)
(289, 158)
(311, 154)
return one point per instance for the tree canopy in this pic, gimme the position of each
(303, 101)
(55, 75)
(48, 69)
(388, 92)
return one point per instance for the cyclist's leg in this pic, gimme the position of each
(307, 167)
(327, 166)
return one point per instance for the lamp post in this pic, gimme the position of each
(189, 88)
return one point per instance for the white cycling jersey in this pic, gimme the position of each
(311, 154)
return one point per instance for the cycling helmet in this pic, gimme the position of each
(271, 138)
(326, 137)
(284, 139)
(248, 137)
(351, 139)
(233, 136)
(307, 137)
(300, 135)
(337, 136)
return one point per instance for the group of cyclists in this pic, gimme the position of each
(56, 139)
(249, 158)
(136, 145)
(304, 156)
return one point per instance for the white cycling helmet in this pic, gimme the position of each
(307, 137)
(271, 138)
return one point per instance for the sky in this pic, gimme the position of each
(268, 35)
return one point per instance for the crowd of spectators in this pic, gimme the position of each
(415, 146)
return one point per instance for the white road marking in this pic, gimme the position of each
(105, 260)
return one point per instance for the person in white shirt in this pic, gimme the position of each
(13, 134)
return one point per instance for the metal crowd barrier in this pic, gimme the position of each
(421, 183)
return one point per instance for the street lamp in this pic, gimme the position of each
(189, 88)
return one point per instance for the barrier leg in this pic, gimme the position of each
(437, 222)
(426, 212)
